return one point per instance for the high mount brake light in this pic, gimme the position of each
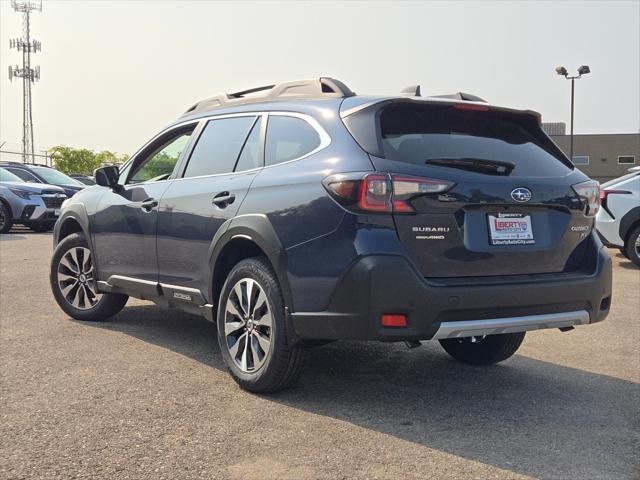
(471, 106)
(589, 191)
(381, 192)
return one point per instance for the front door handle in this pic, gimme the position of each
(149, 204)
(223, 199)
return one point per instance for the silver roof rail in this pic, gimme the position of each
(323, 87)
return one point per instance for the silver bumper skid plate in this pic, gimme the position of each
(494, 326)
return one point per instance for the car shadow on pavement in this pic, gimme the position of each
(525, 416)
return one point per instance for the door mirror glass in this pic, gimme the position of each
(108, 177)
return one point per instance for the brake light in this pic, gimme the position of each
(589, 192)
(381, 192)
(604, 195)
(471, 106)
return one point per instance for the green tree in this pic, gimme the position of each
(74, 160)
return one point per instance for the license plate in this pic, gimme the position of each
(56, 212)
(510, 229)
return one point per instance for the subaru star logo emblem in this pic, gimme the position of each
(521, 194)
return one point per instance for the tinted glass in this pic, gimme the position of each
(7, 176)
(219, 146)
(289, 138)
(160, 164)
(251, 156)
(430, 135)
(54, 177)
(24, 175)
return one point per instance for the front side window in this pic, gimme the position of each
(24, 175)
(55, 177)
(219, 146)
(289, 138)
(161, 162)
(7, 176)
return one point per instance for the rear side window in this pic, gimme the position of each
(219, 146)
(24, 175)
(289, 138)
(487, 142)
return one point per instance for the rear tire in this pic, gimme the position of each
(486, 351)
(6, 222)
(632, 246)
(41, 227)
(73, 284)
(252, 331)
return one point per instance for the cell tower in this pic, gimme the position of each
(28, 74)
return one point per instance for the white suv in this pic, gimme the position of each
(618, 221)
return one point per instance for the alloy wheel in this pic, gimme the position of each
(638, 245)
(75, 278)
(248, 325)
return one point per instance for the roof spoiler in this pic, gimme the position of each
(414, 91)
(311, 88)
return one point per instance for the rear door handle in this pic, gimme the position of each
(223, 199)
(149, 204)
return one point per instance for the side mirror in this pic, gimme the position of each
(108, 177)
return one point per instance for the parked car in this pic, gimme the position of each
(35, 205)
(618, 221)
(301, 213)
(33, 173)
(84, 179)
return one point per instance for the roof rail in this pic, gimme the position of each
(461, 96)
(322, 87)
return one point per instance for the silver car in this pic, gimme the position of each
(36, 205)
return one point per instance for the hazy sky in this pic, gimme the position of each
(115, 72)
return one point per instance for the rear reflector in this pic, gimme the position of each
(393, 320)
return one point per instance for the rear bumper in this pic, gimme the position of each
(380, 284)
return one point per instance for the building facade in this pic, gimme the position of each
(601, 156)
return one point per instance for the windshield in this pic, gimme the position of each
(7, 176)
(54, 177)
(488, 142)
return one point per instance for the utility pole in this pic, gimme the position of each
(28, 74)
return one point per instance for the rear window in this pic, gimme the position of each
(492, 142)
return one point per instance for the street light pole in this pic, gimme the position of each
(583, 70)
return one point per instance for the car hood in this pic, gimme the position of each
(38, 188)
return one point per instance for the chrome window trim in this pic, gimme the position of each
(325, 139)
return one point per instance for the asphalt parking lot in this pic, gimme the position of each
(146, 396)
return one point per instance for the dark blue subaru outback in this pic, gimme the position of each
(299, 213)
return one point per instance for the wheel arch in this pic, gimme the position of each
(627, 223)
(246, 236)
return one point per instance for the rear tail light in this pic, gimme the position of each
(381, 192)
(604, 195)
(589, 192)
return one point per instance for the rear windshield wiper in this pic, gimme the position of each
(480, 165)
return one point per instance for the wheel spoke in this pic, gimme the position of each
(86, 261)
(231, 308)
(263, 340)
(232, 327)
(233, 350)
(265, 320)
(63, 277)
(67, 289)
(238, 290)
(67, 262)
(249, 287)
(76, 298)
(243, 361)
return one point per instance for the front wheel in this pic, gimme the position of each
(485, 350)
(252, 332)
(74, 286)
(632, 246)
(5, 218)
